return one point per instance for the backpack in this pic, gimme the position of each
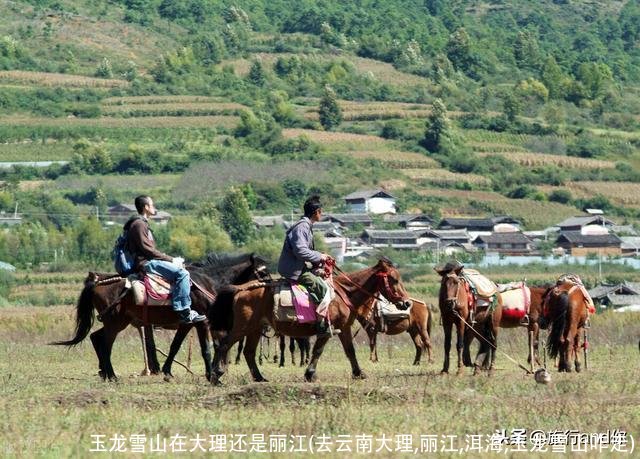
(123, 259)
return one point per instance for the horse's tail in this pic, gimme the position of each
(559, 309)
(84, 315)
(429, 320)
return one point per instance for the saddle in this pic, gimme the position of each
(150, 289)
(570, 282)
(388, 312)
(291, 303)
(481, 285)
(516, 301)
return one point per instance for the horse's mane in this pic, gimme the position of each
(214, 261)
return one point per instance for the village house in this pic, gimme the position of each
(577, 243)
(269, 221)
(616, 296)
(371, 201)
(410, 221)
(350, 220)
(579, 222)
(478, 226)
(121, 213)
(507, 243)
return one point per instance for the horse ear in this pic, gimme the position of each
(439, 271)
(458, 271)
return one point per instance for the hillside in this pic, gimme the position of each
(457, 107)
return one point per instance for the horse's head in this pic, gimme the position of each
(260, 268)
(390, 284)
(450, 287)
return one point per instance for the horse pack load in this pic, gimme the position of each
(516, 300)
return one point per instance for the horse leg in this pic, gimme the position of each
(181, 334)
(240, 346)
(304, 343)
(576, 350)
(318, 347)
(282, 346)
(417, 342)
(221, 351)
(110, 334)
(250, 346)
(373, 347)
(97, 339)
(292, 350)
(426, 341)
(460, 344)
(347, 344)
(152, 355)
(205, 347)
(466, 346)
(447, 326)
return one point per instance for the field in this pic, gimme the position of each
(59, 407)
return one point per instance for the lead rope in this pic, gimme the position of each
(529, 372)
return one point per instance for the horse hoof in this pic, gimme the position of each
(360, 375)
(444, 373)
(310, 376)
(145, 373)
(168, 377)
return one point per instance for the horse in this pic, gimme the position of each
(223, 269)
(453, 301)
(253, 305)
(418, 325)
(532, 325)
(110, 296)
(568, 311)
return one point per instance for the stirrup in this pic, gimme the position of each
(524, 322)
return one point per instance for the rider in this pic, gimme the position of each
(299, 257)
(150, 260)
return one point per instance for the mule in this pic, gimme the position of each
(418, 325)
(253, 305)
(453, 301)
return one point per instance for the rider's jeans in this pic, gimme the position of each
(179, 278)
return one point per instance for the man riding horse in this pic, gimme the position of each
(299, 259)
(148, 259)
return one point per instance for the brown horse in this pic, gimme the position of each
(568, 313)
(532, 325)
(253, 305)
(418, 325)
(115, 304)
(455, 310)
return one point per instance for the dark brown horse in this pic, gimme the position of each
(455, 310)
(114, 302)
(418, 325)
(568, 312)
(253, 306)
(223, 270)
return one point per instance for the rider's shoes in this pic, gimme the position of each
(324, 329)
(191, 317)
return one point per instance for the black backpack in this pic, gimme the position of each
(123, 260)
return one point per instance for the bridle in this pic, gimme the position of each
(454, 300)
(382, 288)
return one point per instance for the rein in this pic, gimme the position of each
(376, 295)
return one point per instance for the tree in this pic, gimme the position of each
(437, 127)
(595, 77)
(256, 73)
(554, 79)
(526, 50)
(329, 110)
(512, 107)
(235, 216)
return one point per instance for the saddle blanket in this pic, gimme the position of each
(516, 300)
(389, 311)
(483, 287)
(292, 303)
(150, 290)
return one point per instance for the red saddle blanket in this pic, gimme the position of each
(151, 290)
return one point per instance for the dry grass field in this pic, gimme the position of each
(112, 122)
(542, 159)
(170, 108)
(622, 193)
(396, 159)
(58, 80)
(343, 141)
(444, 177)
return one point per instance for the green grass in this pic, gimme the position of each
(57, 402)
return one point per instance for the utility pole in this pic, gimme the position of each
(15, 212)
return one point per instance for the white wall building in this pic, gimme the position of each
(371, 201)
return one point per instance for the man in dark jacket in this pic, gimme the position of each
(298, 253)
(149, 259)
